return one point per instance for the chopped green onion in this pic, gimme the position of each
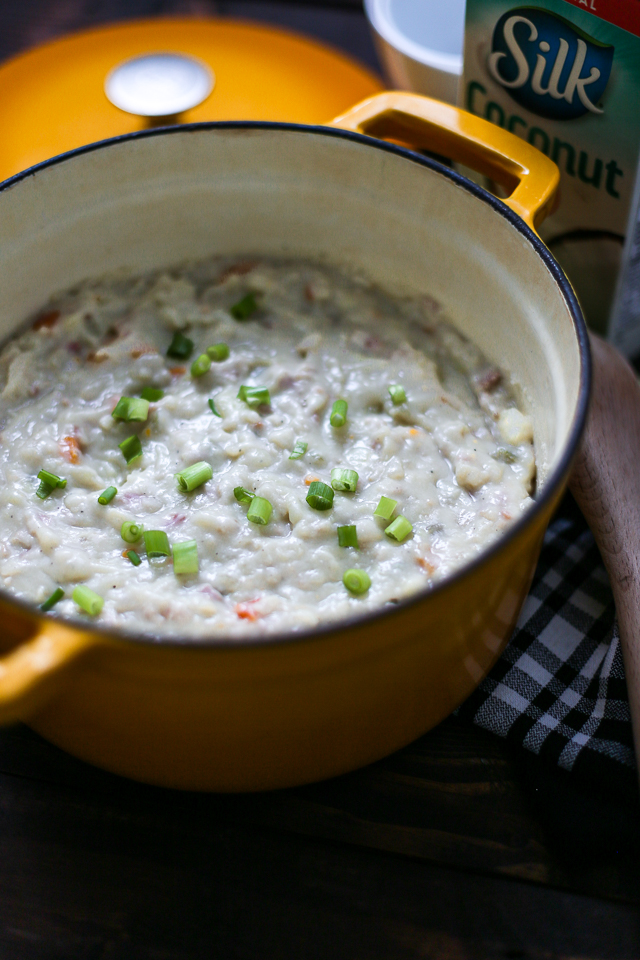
(385, 508)
(51, 479)
(259, 511)
(200, 366)
(299, 450)
(213, 409)
(397, 394)
(320, 496)
(152, 394)
(185, 557)
(399, 529)
(51, 601)
(506, 456)
(131, 531)
(157, 544)
(131, 408)
(44, 490)
(243, 309)
(194, 476)
(344, 479)
(87, 600)
(243, 495)
(218, 352)
(133, 556)
(347, 536)
(338, 416)
(180, 347)
(356, 581)
(131, 448)
(254, 396)
(107, 495)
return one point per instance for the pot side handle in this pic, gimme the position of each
(30, 674)
(530, 177)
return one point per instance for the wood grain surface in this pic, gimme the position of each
(451, 848)
(606, 485)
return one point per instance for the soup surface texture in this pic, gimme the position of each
(317, 385)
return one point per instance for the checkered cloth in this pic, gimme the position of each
(559, 688)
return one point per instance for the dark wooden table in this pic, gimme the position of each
(457, 847)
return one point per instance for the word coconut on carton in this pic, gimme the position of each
(569, 83)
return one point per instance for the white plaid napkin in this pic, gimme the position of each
(559, 688)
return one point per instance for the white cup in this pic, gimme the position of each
(420, 44)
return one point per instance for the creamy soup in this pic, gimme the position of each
(242, 448)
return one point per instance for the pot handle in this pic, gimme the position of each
(530, 177)
(30, 673)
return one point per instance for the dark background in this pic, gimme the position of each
(459, 847)
(24, 23)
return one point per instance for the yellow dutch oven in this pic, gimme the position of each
(229, 715)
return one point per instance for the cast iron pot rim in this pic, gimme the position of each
(551, 485)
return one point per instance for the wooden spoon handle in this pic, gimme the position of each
(606, 485)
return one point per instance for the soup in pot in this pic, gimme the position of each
(243, 448)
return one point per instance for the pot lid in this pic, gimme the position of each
(52, 98)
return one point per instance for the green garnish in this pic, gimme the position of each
(243, 495)
(107, 495)
(243, 309)
(201, 366)
(51, 601)
(157, 544)
(344, 479)
(152, 394)
(259, 511)
(131, 408)
(506, 456)
(399, 529)
(180, 347)
(87, 600)
(133, 556)
(194, 476)
(48, 483)
(130, 531)
(44, 489)
(131, 448)
(320, 496)
(338, 416)
(185, 557)
(347, 536)
(218, 352)
(254, 396)
(51, 479)
(397, 394)
(356, 581)
(299, 450)
(385, 508)
(213, 409)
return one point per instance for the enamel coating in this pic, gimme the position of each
(292, 709)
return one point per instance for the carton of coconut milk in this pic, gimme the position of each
(565, 76)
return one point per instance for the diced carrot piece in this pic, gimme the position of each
(70, 449)
(177, 371)
(246, 611)
(309, 479)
